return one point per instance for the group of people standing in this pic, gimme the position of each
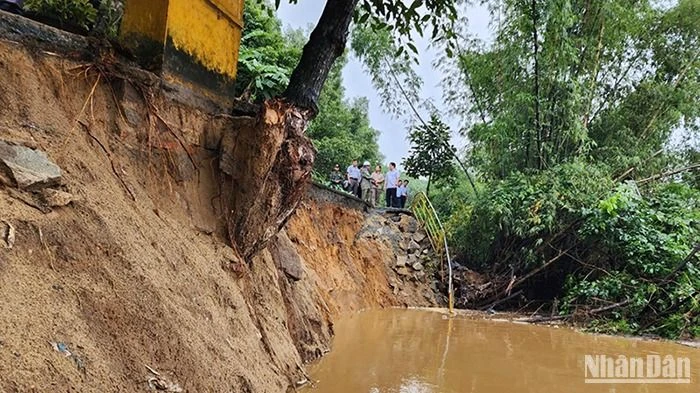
(368, 185)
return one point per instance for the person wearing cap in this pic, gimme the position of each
(366, 182)
(336, 178)
(353, 174)
(377, 184)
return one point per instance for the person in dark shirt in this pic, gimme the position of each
(336, 178)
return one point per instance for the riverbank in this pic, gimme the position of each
(116, 273)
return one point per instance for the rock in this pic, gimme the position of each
(419, 236)
(228, 253)
(403, 271)
(404, 244)
(417, 266)
(434, 286)
(408, 224)
(413, 246)
(25, 168)
(8, 234)
(395, 218)
(286, 257)
(401, 260)
(426, 251)
(412, 258)
(56, 198)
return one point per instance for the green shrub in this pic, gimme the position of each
(642, 243)
(512, 216)
(611, 244)
(75, 12)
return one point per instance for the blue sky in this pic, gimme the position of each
(392, 141)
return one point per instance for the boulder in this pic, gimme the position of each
(401, 260)
(417, 266)
(419, 236)
(26, 168)
(408, 224)
(413, 246)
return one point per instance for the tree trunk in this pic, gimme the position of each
(538, 127)
(271, 160)
(427, 188)
(326, 44)
(269, 163)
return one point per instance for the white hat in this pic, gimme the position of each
(366, 163)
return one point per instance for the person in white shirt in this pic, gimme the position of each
(392, 181)
(353, 173)
(402, 191)
(399, 193)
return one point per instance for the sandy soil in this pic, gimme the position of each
(136, 273)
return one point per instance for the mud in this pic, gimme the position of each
(415, 351)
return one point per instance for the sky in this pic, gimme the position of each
(392, 140)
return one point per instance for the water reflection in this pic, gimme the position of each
(412, 351)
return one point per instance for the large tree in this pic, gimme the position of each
(563, 79)
(273, 159)
(431, 155)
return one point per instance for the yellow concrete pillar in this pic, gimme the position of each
(193, 42)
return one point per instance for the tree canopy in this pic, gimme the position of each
(341, 131)
(577, 202)
(431, 153)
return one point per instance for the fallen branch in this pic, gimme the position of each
(505, 299)
(681, 265)
(529, 275)
(567, 316)
(689, 168)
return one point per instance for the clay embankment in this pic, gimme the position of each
(122, 263)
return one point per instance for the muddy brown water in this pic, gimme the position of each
(419, 351)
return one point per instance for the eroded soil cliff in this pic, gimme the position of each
(131, 285)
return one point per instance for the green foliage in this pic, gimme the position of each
(76, 12)
(109, 16)
(572, 79)
(404, 19)
(569, 101)
(431, 155)
(513, 216)
(397, 84)
(267, 55)
(341, 131)
(644, 241)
